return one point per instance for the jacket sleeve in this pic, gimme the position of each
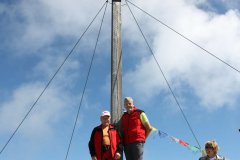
(91, 144)
(118, 126)
(119, 143)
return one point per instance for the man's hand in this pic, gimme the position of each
(94, 158)
(117, 156)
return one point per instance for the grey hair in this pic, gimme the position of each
(127, 99)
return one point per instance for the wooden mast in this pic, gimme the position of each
(116, 62)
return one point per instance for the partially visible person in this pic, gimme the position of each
(211, 149)
(135, 129)
(105, 141)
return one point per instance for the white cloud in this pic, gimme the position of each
(213, 82)
(50, 109)
(40, 23)
(43, 21)
(38, 26)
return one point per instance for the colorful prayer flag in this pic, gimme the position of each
(179, 141)
(183, 143)
(162, 134)
(194, 149)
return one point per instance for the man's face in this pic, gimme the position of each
(128, 105)
(105, 120)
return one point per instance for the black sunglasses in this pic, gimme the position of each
(208, 147)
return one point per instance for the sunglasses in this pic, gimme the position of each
(208, 147)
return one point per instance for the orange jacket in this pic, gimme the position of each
(96, 142)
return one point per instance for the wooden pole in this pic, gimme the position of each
(116, 63)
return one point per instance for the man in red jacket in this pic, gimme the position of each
(105, 142)
(135, 130)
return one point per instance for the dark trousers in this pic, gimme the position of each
(107, 155)
(134, 151)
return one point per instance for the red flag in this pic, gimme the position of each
(183, 143)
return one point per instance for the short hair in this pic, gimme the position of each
(212, 144)
(127, 99)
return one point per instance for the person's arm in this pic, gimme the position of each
(91, 146)
(119, 146)
(148, 128)
(118, 126)
(146, 123)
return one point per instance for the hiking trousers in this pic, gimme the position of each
(134, 151)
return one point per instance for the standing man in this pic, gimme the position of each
(135, 130)
(105, 143)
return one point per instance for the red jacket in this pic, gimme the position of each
(96, 142)
(132, 128)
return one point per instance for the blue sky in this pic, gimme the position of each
(37, 35)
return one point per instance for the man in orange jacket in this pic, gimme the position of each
(105, 141)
